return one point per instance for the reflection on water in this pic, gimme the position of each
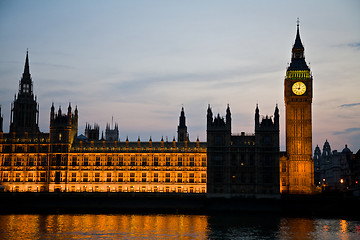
(122, 226)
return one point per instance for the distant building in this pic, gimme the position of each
(335, 170)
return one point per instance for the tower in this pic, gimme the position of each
(63, 129)
(218, 152)
(25, 109)
(111, 133)
(267, 149)
(182, 128)
(298, 95)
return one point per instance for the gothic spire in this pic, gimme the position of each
(26, 75)
(298, 57)
(298, 44)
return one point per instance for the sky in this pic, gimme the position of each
(139, 62)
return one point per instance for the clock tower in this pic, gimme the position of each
(297, 167)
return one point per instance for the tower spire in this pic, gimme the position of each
(298, 57)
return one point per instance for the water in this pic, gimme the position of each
(166, 226)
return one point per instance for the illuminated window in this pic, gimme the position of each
(132, 177)
(120, 177)
(191, 177)
(156, 177)
(59, 136)
(85, 177)
(179, 177)
(191, 160)
(97, 177)
(180, 163)
(167, 177)
(121, 160)
(108, 177)
(144, 160)
(203, 177)
(143, 179)
(156, 160)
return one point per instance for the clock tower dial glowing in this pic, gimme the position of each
(297, 167)
(299, 88)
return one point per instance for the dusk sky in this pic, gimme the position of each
(141, 61)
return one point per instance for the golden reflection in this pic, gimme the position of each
(299, 228)
(103, 226)
(343, 226)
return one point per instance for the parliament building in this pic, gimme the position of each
(226, 164)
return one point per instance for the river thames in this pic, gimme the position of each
(172, 226)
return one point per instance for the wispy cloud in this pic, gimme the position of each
(354, 45)
(349, 105)
(347, 131)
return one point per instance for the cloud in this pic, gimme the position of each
(354, 45)
(347, 131)
(349, 105)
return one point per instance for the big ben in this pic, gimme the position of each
(296, 168)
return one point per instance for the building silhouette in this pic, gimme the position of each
(336, 171)
(227, 164)
(244, 163)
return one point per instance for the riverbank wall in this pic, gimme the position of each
(112, 203)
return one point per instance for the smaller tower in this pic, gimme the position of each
(92, 133)
(228, 117)
(218, 152)
(257, 118)
(63, 129)
(317, 163)
(267, 156)
(112, 133)
(182, 128)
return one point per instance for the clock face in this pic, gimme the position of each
(299, 88)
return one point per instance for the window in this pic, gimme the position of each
(156, 177)
(191, 160)
(86, 160)
(132, 177)
(167, 177)
(191, 177)
(97, 163)
(143, 175)
(120, 177)
(121, 161)
(144, 160)
(74, 160)
(85, 177)
(179, 177)
(97, 177)
(73, 177)
(108, 177)
(180, 163)
(203, 177)
(109, 161)
(156, 161)
(132, 163)
(167, 160)
(42, 177)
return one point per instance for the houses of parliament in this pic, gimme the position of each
(227, 164)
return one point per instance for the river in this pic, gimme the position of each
(170, 226)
